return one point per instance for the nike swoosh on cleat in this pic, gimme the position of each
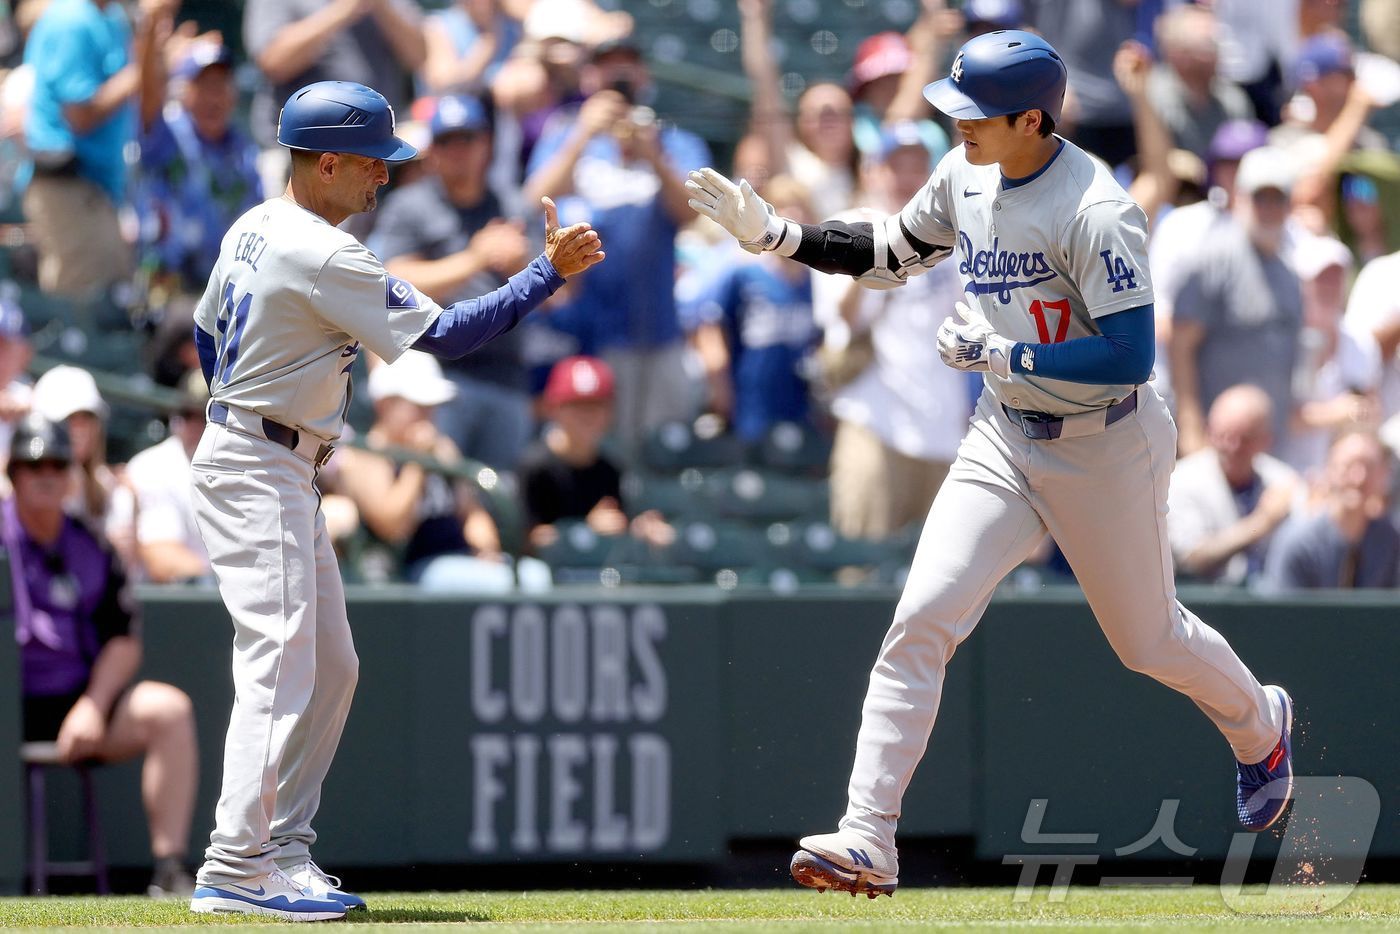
(243, 888)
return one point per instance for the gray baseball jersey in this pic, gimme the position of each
(1042, 261)
(290, 302)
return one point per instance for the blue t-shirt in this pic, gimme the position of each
(629, 300)
(458, 24)
(74, 48)
(190, 191)
(768, 326)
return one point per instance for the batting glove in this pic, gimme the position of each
(736, 208)
(972, 345)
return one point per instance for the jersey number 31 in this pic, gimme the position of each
(230, 324)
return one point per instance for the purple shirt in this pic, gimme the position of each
(70, 598)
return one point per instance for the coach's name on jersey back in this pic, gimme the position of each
(250, 248)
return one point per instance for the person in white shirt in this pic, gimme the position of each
(1336, 383)
(1227, 499)
(156, 501)
(898, 422)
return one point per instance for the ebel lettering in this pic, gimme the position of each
(565, 755)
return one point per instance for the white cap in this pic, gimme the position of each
(415, 376)
(557, 19)
(1312, 255)
(1266, 167)
(65, 390)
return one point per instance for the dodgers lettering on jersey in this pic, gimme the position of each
(1041, 260)
(290, 303)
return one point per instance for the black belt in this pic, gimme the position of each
(1040, 426)
(275, 432)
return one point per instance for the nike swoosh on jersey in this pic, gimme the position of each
(968, 192)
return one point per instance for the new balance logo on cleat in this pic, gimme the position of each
(861, 858)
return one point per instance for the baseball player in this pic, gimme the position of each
(290, 303)
(1067, 437)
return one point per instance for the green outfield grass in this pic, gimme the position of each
(1201, 908)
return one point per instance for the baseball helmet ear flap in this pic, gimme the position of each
(342, 116)
(1000, 73)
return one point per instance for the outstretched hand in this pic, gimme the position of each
(736, 208)
(571, 249)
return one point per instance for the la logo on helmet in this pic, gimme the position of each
(957, 69)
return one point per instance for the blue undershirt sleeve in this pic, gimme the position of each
(208, 355)
(1122, 353)
(464, 326)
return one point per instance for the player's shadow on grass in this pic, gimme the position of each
(419, 915)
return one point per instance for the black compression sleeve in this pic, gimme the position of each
(838, 247)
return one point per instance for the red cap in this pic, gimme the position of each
(579, 379)
(885, 53)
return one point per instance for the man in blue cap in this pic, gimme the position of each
(448, 234)
(291, 301)
(198, 174)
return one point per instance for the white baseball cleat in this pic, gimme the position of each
(316, 881)
(846, 862)
(274, 895)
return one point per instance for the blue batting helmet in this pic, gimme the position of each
(342, 116)
(998, 73)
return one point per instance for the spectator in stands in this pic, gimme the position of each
(87, 72)
(1185, 233)
(468, 42)
(1227, 499)
(15, 354)
(296, 42)
(821, 154)
(752, 327)
(68, 396)
(625, 173)
(449, 542)
(1337, 381)
(447, 234)
(899, 416)
(157, 500)
(1325, 121)
(565, 474)
(1364, 216)
(1087, 34)
(890, 71)
(1374, 308)
(1186, 89)
(80, 650)
(1257, 43)
(1238, 314)
(198, 174)
(1350, 540)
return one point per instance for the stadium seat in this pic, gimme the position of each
(765, 496)
(713, 546)
(792, 447)
(674, 496)
(674, 446)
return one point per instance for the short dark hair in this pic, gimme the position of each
(1047, 122)
(305, 158)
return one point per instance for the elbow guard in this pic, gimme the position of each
(896, 257)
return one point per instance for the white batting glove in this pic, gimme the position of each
(736, 208)
(973, 345)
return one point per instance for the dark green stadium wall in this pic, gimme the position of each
(661, 725)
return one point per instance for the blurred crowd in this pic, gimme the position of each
(1243, 127)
